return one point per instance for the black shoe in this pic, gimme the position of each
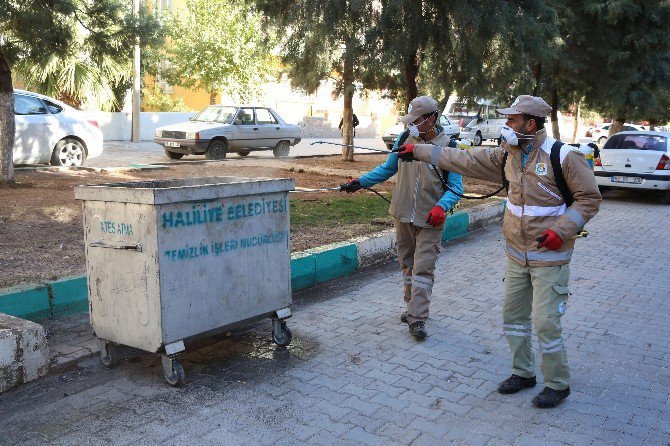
(550, 397)
(515, 383)
(418, 329)
(403, 317)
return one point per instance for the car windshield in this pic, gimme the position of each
(463, 112)
(216, 113)
(637, 142)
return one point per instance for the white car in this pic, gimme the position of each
(635, 160)
(487, 124)
(391, 134)
(600, 132)
(49, 131)
(220, 129)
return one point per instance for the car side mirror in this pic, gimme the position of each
(238, 122)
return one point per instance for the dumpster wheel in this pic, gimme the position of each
(108, 354)
(281, 334)
(173, 372)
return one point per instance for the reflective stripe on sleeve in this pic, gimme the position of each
(576, 217)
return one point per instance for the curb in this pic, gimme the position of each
(67, 296)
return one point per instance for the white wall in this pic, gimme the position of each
(118, 126)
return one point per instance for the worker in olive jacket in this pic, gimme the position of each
(539, 226)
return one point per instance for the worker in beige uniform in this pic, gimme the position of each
(420, 201)
(538, 227)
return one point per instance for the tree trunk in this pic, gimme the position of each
(537, 72)
(617, 125)
(411, 72)
(7, 124)
(348, 110)
(652, 124)
(212, 96)
(575, 124)
(554, 114)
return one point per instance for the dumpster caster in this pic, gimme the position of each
(281, 335)
(108, 354)
(173, 372)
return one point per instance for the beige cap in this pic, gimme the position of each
(418, 106)
(532, 105)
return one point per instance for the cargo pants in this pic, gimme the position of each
(418, 249)
(543, 293)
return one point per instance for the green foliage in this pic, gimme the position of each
(219, 46)
(98, 57)
(155, 100)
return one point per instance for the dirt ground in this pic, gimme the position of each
(41, 233)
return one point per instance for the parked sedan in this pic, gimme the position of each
(600, 132)
(391, 134)
(220, 129)
(635, 160)
(49, 131)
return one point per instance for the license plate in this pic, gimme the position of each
(633, 180)
(172, 144)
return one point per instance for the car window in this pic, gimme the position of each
(246, 115)
(216, 113)
(28, 105)
(53, 108)
(444, 121)
(263, 116)
(636, 142)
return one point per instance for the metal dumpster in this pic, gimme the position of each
(170, 260)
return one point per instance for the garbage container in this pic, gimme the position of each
(170, 260)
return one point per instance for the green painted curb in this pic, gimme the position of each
(336, 262)
(69, 296)
(303, 272)
(28, 302)
(456, 225)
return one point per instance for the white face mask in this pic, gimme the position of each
(414, 130)
(510, 136)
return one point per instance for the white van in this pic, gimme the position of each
(486, 124)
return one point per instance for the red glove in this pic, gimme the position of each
(550, 240)
(406, 152)
(436, 216)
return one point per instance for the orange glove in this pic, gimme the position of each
(406, 152)
(436, 216)
(550, 240)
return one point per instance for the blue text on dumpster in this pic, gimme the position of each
(204, 214)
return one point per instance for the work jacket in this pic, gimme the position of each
(418, 188)
(534, 202)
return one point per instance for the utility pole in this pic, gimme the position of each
(135, 136)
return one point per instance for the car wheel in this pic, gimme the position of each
(389, 146)
(68, 152)
(281, 149)
(217, 150)
(478, 139)
(602, 140)
(174, 155)
(244, 152)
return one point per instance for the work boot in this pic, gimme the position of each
(403, 317)
(418, 329)
(550, 397)
(515, 383)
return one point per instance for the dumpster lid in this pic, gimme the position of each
(181, 189)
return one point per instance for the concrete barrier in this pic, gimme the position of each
(24, 354)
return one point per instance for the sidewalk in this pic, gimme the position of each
(353, 375)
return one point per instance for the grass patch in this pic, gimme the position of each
(335, 212)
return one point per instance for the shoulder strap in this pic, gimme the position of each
(504, 177)
(558, 173)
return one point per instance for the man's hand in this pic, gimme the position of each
(550, 240)
(352, 186)
(436, 216)
(406, 152)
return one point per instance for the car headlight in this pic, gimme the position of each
(192, 135)
(158, 134)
